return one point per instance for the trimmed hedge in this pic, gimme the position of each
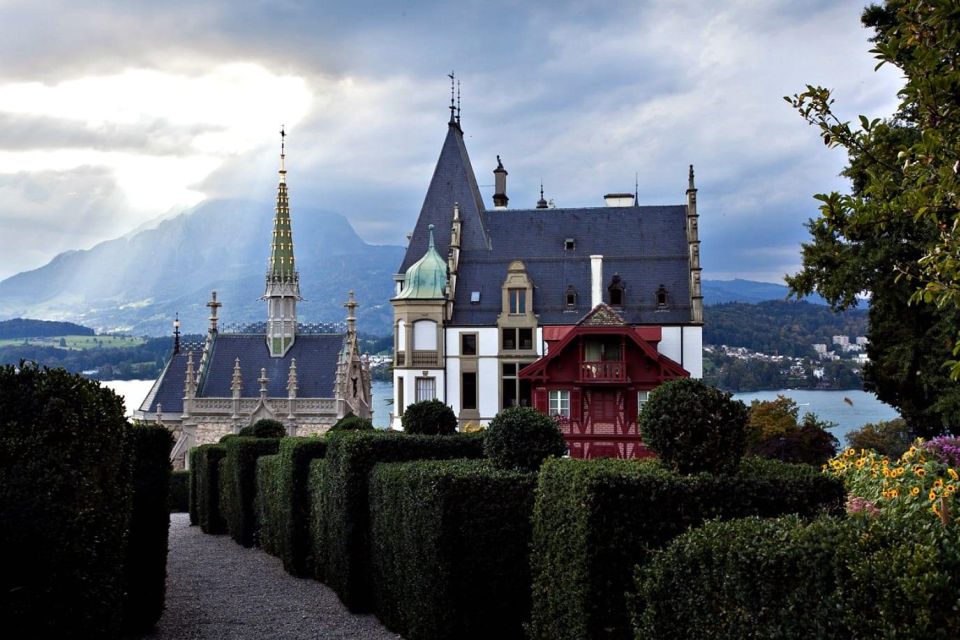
(317, 517)
(285, 507)
(450, 543)
(845, 578)
(266, 503)
(192, 483)
(205, 473)
(146, 566)
(179, 492)
(238, 485)
(594, 520)
(64, 504)
(350, 457)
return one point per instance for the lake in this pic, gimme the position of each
(832, 406)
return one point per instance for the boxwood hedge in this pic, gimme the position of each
(179, 491)
(350, 457)
(205, 474)
(266, 503)
(317, 517)
(786, 578)
(192, 458)
(450, 543)
(146, 566)
(594, 520)
(239, 485)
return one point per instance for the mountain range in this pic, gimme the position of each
(138, 282)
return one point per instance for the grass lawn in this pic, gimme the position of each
(77, 343)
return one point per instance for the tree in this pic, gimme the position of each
(893, 235)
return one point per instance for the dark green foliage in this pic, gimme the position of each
(146, 566)
(351, 422)
(265, 428)
(239, 485)
(27, 328)
(785, 578)
(226, 438)
(350, 457)
(429, 417)
(450, 543)
(64, 504)
(205, 474)
(694, 427)
(522, 438)
(595, 519)
(179, 491)
(808, 443)
(285, 502)
(318, 544)
(891, 438)
(194, 502)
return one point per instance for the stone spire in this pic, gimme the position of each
(352, 384)
(190, 379)
(236, 381)
(283, 281)
(213, 305)
(693, 243)
(263, 380)
(292, 380)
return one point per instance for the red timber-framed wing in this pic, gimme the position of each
(594, 379)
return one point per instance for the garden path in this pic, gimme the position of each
(218, 590)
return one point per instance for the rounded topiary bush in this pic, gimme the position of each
(694, 427)
(522, 438)
(351, 422)
(265, 428)
(429, 417)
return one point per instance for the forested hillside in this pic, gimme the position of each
(25, 328)
(779, 327)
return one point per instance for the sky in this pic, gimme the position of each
(114, 115)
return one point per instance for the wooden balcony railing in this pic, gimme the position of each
(427, 359)
(605, 371)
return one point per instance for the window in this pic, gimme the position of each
(425, 335)
(468, 390)
(641, 400)
(517, 339)
(400, 403)
(401, 335)
(570, 297)
(518, 301)
(569, 244)
(616, 291)
(426, 389)
(468, 344)
(662, 297)
(560, 403)
(514, 391)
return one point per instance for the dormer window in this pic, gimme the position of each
(518, 301)
(616, 291)
(569, 244)
(662, 301)
(570, 297)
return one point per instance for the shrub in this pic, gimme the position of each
(595, 519)
(317, 518)
(192, 484)
(64, 504)
(285, 512)
(848, 578)
(522, 438)
(262, 428)
(807, 443)
(890, 438)
(238, 483)
(205, 476)
(179, 491)
(266, 503)
(946, 449)
(350, 457)
(450, 543)
(694, 427)
(429, 417)
(146, 566)
(230, 436)
(351, 422)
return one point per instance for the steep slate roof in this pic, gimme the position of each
(453, 182)
(316, 356)
(168, 390)
(646, 246)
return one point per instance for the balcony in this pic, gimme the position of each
(399, 358)
(425, 359)
(603, 371)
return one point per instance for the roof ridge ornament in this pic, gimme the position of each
(453, 106)
(283, 167)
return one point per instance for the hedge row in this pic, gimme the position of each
(146, 565)
(450, 544)
(317, 518)
(205, 465)
(350, 457)
(179, 491)
(266, 503)
(193, 504)
(64, 504)
(595, 520)
(845, 578)
(238, 485)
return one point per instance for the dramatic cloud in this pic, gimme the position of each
(122, 112)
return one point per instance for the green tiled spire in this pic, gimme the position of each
(282, 264)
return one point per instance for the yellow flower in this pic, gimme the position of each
(938, 483)
(932, 495)
(920, 471)
(953, 475)
(950, 489)
(915, 491)
(860, 463)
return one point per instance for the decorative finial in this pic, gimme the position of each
(690, 186)
(458, 102)
(453, 107)
(176, 333)
(541, 203)
(214, 305)
(430, 228)
(636, 188)
(283, 153)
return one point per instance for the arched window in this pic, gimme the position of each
(662, 299)
(401, 335)
(615, 290)
(424, 335)
(570, 297)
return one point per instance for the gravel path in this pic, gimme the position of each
(218, 590)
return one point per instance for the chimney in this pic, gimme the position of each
(619, 199)
(500, 198)
(596, 280)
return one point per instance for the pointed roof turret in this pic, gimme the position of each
(453, 181)
(426, 279)
(541, 203)
(281, 248)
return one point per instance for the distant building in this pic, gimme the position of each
(578, 312)
(820, 349)
(862, 341)
(841, 341)
(305, 377)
